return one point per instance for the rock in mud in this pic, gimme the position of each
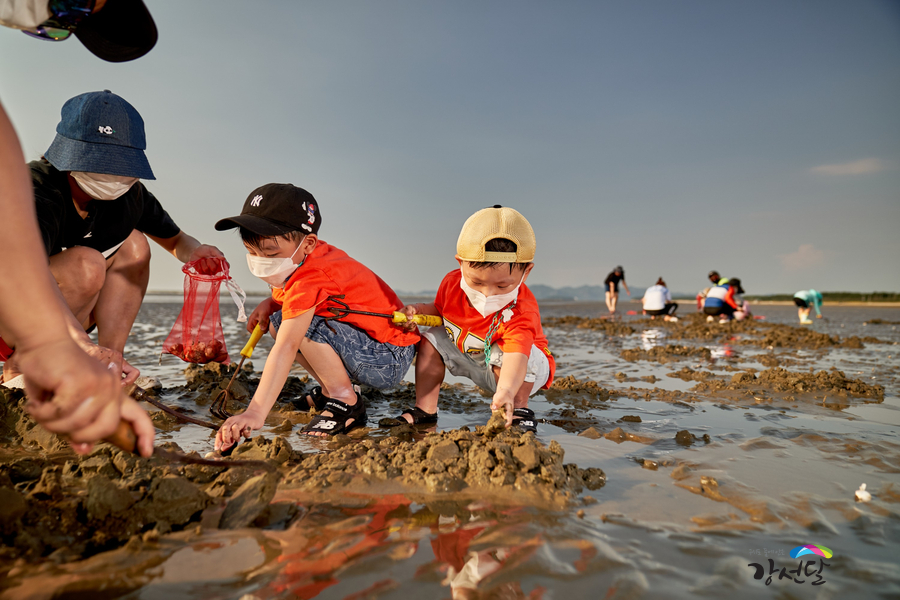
(104, 498)
(12, 508)
(249, 501)
(173, 500)
(262, 448)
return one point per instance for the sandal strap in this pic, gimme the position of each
(341, 413)
(318, 400)
(525, 419)
(419, 416)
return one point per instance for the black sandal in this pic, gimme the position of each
(342, 412)
(419, 417)
(524, 419)
(302, 404)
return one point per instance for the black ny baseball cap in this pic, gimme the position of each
(277, 209)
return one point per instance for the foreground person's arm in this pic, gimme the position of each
(65, 386)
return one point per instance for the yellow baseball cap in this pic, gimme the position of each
(491, 223)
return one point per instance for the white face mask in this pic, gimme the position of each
(103, 187)
(274, 271)
(488, 305)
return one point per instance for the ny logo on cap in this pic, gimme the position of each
(107, 130)
(256, 200)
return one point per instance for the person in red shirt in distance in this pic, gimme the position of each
(492, 325)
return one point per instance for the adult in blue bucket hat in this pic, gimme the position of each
(95, 216)
(70, 392)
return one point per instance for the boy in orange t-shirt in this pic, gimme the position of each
(279, 226)
(492, 325)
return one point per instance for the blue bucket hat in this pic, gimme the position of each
(100, 133)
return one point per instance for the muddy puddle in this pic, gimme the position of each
(669, 458)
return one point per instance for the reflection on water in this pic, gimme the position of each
(650, 338)
(681, 516)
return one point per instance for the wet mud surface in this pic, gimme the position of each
(669, 457)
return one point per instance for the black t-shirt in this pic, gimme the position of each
(614, 279)
(109, 222)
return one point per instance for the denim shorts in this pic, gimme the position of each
(473, 366)
(368, 362)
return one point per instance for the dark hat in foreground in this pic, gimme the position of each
(123, 30)
(736, 283)
(277, 209)
(100, 133)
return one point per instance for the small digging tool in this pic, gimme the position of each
(395, 317)
(219, 406)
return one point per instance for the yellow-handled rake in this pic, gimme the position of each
(395, 317)
(219, 407)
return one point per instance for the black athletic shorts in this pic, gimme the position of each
(669, 309)
(801, 302)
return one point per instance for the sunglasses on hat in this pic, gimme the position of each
(67, 14)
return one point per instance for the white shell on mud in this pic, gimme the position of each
(862, 495)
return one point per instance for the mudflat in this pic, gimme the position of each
(669, 459)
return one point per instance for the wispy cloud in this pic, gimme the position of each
(807, 256)
(856, 167)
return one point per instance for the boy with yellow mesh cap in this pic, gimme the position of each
(492, 326)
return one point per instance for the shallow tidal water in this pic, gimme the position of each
(761, 474)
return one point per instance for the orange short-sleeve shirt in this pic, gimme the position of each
(467, 328)
(329, 271)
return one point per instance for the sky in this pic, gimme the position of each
(761, 139)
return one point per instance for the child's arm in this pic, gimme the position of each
(512, 376)
(275, 373)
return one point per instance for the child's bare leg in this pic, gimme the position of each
(329, 371)
(429, 376)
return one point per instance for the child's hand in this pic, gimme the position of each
(503, 399)
(409, 310)
(260, 315)
(235, 427)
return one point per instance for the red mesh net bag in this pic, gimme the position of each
(197, 336)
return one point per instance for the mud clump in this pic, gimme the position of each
(613, 328)
(694, 326)
(491, 461)
(206, 381)
(70, 507)
(834, 382)
(666, 354)
(688, 374)
(687, 439)
(782, 380)
(570, 385)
